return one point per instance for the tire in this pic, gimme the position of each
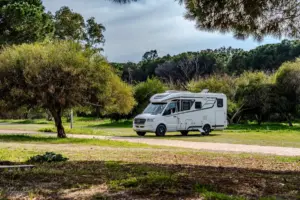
(206, 128)
(161, 130)
(184, 133)
(141, 133)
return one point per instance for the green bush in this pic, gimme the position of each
(47, 157)
(144, 91)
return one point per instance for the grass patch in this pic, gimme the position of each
(54, 140)
(151, 173)
(16, 155)
(151, 181)
(208, 193)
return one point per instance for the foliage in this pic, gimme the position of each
(288, 88)
(144, 91)
(256, 18)
(182, 68)
(24, 21)
(60, 75)
(264, 58)
(218, 84)
(47, 157)
(70, 25)
(215, 83)
(252, 93)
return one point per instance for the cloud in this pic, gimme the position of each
(135, 28)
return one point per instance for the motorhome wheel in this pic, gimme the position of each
(161, 130)
(206, 129)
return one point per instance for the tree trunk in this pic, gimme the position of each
(289, 120)
(236, 114)
(58, 123)
(259, 119)
(97, 110)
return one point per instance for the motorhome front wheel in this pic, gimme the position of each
(161, 130)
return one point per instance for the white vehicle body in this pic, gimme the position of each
(183, 111)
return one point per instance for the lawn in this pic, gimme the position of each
(268, 134)
(114, 171)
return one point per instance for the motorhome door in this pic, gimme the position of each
(220, 118)
(170, 117)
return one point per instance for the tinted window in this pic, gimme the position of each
(220, 103)
(198, 105)
(170, 109)
(186, 105)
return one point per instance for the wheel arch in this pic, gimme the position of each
(163, 125)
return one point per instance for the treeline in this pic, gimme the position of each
(182, 68)
(26, 21)
(52, 62)
(254, 96)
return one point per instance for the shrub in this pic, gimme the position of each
(47, 157)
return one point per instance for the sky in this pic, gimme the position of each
(135, 28)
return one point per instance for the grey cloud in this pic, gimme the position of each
(135, 28)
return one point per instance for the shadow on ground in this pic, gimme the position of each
(174, 135)
(117, 180)
(265, 126)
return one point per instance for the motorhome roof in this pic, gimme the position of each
(182, 94)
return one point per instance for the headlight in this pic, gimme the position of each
(150, 120)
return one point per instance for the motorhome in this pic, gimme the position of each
(183, 112)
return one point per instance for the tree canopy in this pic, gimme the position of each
(24, 22)
(31, 76)
(245, 18)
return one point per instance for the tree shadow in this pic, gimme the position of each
(263, 127)
(141, 180)
(173, 136)
(120, 124)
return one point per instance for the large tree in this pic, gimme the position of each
(70, 25)
(58, 76)
(24, 21)
(257, 18)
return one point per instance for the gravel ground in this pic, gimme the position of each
(223, 147)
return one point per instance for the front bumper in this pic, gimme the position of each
(143, 127)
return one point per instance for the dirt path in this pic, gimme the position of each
(223, 147)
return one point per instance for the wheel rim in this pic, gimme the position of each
(206, 129)
(161, 130)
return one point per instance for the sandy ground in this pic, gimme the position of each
(222, 147)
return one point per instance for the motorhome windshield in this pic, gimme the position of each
(155, 108)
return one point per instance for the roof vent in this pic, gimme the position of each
(205, 91)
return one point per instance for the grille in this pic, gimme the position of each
(139, 121)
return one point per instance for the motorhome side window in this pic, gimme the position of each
(220, 103)
(186, 105)
(198, 105)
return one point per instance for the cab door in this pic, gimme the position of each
(170, 117)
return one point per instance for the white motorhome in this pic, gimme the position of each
(184, 112)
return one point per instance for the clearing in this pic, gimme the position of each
(102, 169)
(268, 134)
